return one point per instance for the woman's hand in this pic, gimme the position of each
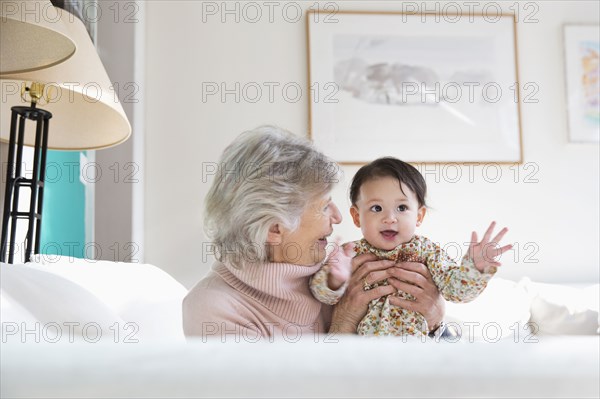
(415, 279)
(354, 304)
(410, 277)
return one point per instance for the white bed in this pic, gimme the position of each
(152, 358)
(352, 367)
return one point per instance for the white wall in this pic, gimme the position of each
(118, 218)
(557, 215)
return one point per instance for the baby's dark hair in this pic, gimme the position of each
(390, 167)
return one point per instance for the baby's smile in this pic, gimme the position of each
(389, 234)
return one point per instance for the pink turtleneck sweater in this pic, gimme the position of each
(255, 302)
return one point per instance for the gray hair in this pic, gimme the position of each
(266, 176)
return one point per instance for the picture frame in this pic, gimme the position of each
(582, 70)
(415, 86)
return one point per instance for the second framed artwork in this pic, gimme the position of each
(418, 87)
(582, 49)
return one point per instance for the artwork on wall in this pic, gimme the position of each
(582, 69)
(417, 87)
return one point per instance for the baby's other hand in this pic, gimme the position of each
(484, 253)
(340, 265)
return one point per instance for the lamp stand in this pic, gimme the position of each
(15, 180)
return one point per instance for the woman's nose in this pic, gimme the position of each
(336, 216)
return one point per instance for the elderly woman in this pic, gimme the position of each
(269, 213)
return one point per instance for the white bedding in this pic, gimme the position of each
(39, 300)
(352, 367)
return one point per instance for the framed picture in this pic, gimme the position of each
(582, 68)
(418, 87)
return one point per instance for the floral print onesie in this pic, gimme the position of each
(457, 283)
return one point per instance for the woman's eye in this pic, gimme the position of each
(402, 208)
(376, 208)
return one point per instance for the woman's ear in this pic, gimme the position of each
(274, 236)
(355, 215)
(421, 215)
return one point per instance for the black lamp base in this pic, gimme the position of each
(15, 180)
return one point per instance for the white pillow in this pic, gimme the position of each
(562, 310)
(13, 312)
(138, 293)
(38, 306)
(501, 311)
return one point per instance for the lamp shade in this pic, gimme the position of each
(86, 111)
(32, 36)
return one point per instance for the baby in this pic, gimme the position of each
(388, 204)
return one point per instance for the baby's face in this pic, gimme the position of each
(386, 215)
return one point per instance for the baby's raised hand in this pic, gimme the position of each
(484, 253)
(340, 265)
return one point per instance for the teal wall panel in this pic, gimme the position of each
(63, 214)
